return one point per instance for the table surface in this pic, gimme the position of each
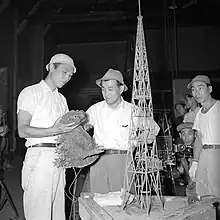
(133, 210)
(175, 207)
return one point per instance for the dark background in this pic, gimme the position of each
(182, 40)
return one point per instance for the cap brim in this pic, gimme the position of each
(47, 67)
(183, 126)
(189, 85)
(74, 68)
(98, 83)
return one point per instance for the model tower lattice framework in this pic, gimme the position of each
(142, 167)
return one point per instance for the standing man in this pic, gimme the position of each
(111, 121)
(39, 110)
(206, 163)
(180, 108)
(193, 107)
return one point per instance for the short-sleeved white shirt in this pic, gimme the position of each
(45, 106)
(111, 126)
(209, 125)
(191, 115)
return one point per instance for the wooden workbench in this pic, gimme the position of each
(176, 208)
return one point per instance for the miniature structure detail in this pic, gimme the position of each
(142, 167)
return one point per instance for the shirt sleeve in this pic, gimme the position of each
(66, 108)
(150, 127)
(153, 129)
(26, 101)
(185, 118)
(90, 115)
(196, 122)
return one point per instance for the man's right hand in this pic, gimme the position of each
(87, 127)
(192, 171)
(59, 128)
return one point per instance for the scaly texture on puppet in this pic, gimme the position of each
(75, 148)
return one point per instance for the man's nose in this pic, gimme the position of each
(197, 92)
(187, 138)
(106, 93)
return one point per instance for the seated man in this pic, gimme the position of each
(184, 149)
(185, 155)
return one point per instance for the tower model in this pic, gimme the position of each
(142, 167)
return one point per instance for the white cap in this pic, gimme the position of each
(61, 58)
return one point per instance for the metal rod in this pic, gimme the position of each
(4, 5)
(24, 23)
(139, 7)
(166, 41)
(175, 40)
(13, 81)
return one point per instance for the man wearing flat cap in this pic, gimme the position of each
(39, 111)
(184, 151)
(187, 134)
(111, 121)
(206, 164)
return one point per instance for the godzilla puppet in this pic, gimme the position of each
(75, 148)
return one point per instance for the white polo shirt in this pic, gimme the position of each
(45, 106)
(209, 125)
(111, 126)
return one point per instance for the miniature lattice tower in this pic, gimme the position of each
(142, 167)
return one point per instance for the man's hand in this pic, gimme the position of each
(192, 171)
(60, 128)
(87, 127)
(96, 150)
(27, 131)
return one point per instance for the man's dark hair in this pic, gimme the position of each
(187, 95)
(180, 103)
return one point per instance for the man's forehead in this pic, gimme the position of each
(66, 67)
(197, 84)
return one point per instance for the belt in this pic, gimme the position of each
(44, 145)
(109, 151)
(209, 146)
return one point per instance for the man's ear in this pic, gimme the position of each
(210, 89)
(122, 88)
(51, 67)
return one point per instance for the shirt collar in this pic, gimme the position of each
(120, 106)
(46, 87)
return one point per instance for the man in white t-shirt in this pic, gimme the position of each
(39, 110)
(111, 121)
(206, 163)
